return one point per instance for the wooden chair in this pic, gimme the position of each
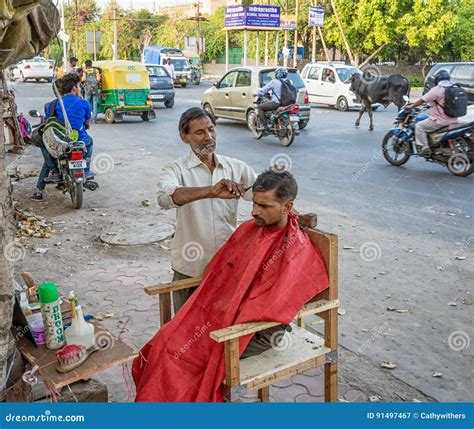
(308, 350)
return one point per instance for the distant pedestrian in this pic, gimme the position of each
(169, 66)
(91, 83)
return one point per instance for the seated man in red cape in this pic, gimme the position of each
(266, 271)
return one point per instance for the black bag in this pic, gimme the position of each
(288, 93)
(455, 101)
(91, 85)
(37, 136)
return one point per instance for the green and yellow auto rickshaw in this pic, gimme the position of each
(125, 90)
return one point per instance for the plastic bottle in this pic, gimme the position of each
(51, 312)
(80, 332)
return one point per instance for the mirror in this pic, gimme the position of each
(34, 114)
(216, 84)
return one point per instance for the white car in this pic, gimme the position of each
(325, 84)
(35, 68)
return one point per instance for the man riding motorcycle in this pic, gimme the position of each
(435, 97)
(274, 86)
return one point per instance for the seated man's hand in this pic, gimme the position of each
(227, 189)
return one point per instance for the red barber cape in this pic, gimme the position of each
(259, 274)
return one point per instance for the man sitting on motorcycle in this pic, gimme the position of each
(78, 112)
(438, 118)
(274, 86)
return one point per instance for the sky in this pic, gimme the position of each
(140, 4)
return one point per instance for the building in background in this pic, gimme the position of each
(189, 8)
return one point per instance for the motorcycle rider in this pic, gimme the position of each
(274, 86)
(78, 112)
(438, 118)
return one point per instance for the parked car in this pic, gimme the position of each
(232, 96)
(161, 85)
(35, 68)
(329, 88)
(461, 73)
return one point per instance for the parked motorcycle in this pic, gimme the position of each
(453, 148)
(280, 122)
(71, 165)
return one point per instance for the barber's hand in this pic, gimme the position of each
(227, 189)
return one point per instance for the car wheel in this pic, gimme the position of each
(302, 124)
(169, 104)
(342, 104)
(208, 109)
(183, 85)
(109, 116)
(50, 79)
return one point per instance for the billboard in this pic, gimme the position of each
(254, 16)
(316, 16)
(288, 22)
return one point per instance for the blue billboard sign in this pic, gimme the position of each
(235, 16)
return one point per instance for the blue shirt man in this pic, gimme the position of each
(78, 112)
(275, 87)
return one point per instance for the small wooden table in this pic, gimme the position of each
(117, 353)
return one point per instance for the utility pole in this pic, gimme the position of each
(285, 43)
(115, 36)
(295, 45)
(313, 49)
(77, 31)
(63, 30)
(198, 38)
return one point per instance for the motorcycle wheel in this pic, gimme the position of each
(392, 149)
(253, 123)
(461, 163)
(286, 134)
(77, 193)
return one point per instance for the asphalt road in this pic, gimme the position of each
(406, 233)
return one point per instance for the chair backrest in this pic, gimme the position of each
(328, 245)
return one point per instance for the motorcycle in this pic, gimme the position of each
(280, 122)
(195, 75)
(453, 148)
(71, 165)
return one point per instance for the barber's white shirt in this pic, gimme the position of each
(170, 69)
(204, 225)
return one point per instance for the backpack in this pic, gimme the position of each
(455, 101)
(288, 93)
(91, 85)
(57, 134)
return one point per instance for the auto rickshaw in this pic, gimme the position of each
(125, 90)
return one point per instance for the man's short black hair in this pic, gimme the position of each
(190, 115)
(88, 63)
(67, 83)
(282, 182)
(73, 59)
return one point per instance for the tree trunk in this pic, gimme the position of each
(7, 232)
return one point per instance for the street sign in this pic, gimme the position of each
(288, 22)
(254, 16)
(93, 46)
(316, 16)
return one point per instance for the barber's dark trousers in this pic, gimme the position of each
(265, 107)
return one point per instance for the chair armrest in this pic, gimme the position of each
(172, 286)
(237, 331)
(315, 307)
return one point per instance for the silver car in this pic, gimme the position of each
(232, 96)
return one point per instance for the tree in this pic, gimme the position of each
(461, 38)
